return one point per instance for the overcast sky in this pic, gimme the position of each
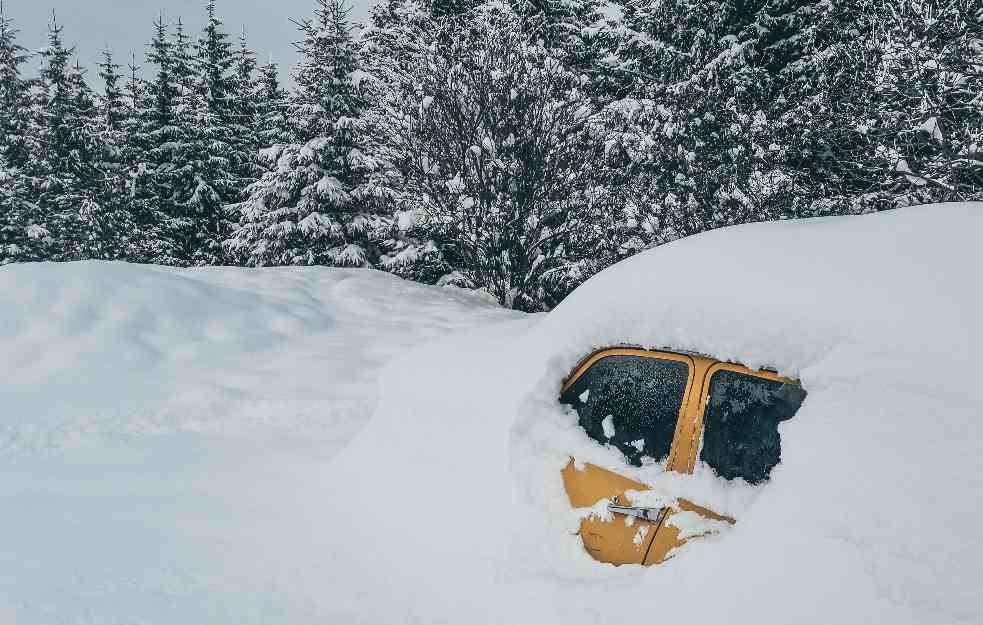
(126, 25)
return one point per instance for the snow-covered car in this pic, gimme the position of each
(861, 506)
(670, 409)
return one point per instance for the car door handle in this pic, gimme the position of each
(646, 514)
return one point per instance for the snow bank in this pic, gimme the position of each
(455, 510)
(96, 349)
(158, 428)
(447, 505)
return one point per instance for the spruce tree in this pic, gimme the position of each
(151, 240)
(160, 115)
(272, 125)
(451, 9)
(316, 206)
(215, 159)
(246, 124)
(188, 151)
(113, 233)
(14, 93)
(112, 106)
(928, 100)
(696, 146)
(393, 29)
(64, 161)
(159, 144)
(93, 234)
(24, 234)
(568, 29)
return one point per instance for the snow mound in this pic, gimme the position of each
(97, 349)
(163, 433)
(456, 512)
(168, 490)
(877, 295)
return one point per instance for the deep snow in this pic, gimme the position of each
(163, 432)
(214, 477)
(872, 516)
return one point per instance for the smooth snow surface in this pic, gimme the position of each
(163, 434)
(205, 446)
(872, 516)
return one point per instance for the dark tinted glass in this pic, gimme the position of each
(740, 426)
(631, 402)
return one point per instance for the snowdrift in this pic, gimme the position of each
(323, 446)
(158, 428)
(455, 510)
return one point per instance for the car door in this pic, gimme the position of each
(634, 400)
(734, 430)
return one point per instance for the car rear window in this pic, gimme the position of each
(740, 424)
(631, 402)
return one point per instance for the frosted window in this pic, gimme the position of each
(631, 402)
(740, 426)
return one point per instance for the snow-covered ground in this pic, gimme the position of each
(164, 433)
(873, 515)
(232, 446)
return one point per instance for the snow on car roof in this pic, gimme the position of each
(885, 290)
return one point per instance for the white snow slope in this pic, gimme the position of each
(159, 427)
(179, 446)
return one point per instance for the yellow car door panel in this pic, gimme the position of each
(685, 522)
(611, 538)
(631, 400)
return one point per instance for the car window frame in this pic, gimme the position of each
(688, 436)
(682, 419)
(696, 433)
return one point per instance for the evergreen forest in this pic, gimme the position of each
(514, 146)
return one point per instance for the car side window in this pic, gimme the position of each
(740, 424)
(631, 402)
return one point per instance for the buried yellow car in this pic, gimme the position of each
(674, 409)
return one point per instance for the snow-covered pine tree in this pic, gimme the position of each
(393, 24)
(24, 233)
(151, 241)
(927, 100)
(112, 231)
(214, 156)
(328, 76)
(183, 70)
(316, 205)
(272, 125)
(14, 92)
(136, 87)
(694, 142)
(865, 87)
(573, 30)
(245, 93)
(820, 77)
(81, 205)
(395, 33)
(188, 151)
(450, 9)
(159, 113)
(52, 151)
(112, 108)
(63, 163)
(159, 142)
